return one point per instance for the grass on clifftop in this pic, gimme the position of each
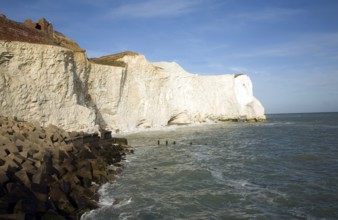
(113, 60)
(66, 42)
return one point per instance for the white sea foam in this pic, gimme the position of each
(105, 196)
(217, 174)
(123, 202)
(166, 128)
(87, 215)
(153, 129)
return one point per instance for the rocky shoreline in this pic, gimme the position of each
(48, 173)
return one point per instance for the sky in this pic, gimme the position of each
(288, 48)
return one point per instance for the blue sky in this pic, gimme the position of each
(288, 48)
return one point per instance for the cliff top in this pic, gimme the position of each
(113, 60)
(40, 32)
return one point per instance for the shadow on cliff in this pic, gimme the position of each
(84, 98)
(99, 119)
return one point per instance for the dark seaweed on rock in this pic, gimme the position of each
(48, 173)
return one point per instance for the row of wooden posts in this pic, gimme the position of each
(167, 142)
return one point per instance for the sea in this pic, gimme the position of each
(284, 168)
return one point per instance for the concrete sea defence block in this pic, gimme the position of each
(49, 172)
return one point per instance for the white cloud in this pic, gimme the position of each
(268, 14)
(322, 44)
(238, 69)
(322, 79)
(155, 8)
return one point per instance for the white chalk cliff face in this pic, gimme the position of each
(37, 83)
(54, 85)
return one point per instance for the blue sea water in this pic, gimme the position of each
(285, 168)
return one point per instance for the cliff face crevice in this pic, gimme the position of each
(55, 85)
(123, 82)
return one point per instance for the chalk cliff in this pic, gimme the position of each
(159, 94)
(38, 83)
(122, 92)
(52, 84)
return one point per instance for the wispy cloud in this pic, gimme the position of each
(155, 8)
(267, 14)
(238, 69)
(322, 44)
(323, 79)
(240, 20)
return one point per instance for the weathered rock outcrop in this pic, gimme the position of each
(122, 92)
(46, 172)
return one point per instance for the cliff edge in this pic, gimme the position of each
(51, 81)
